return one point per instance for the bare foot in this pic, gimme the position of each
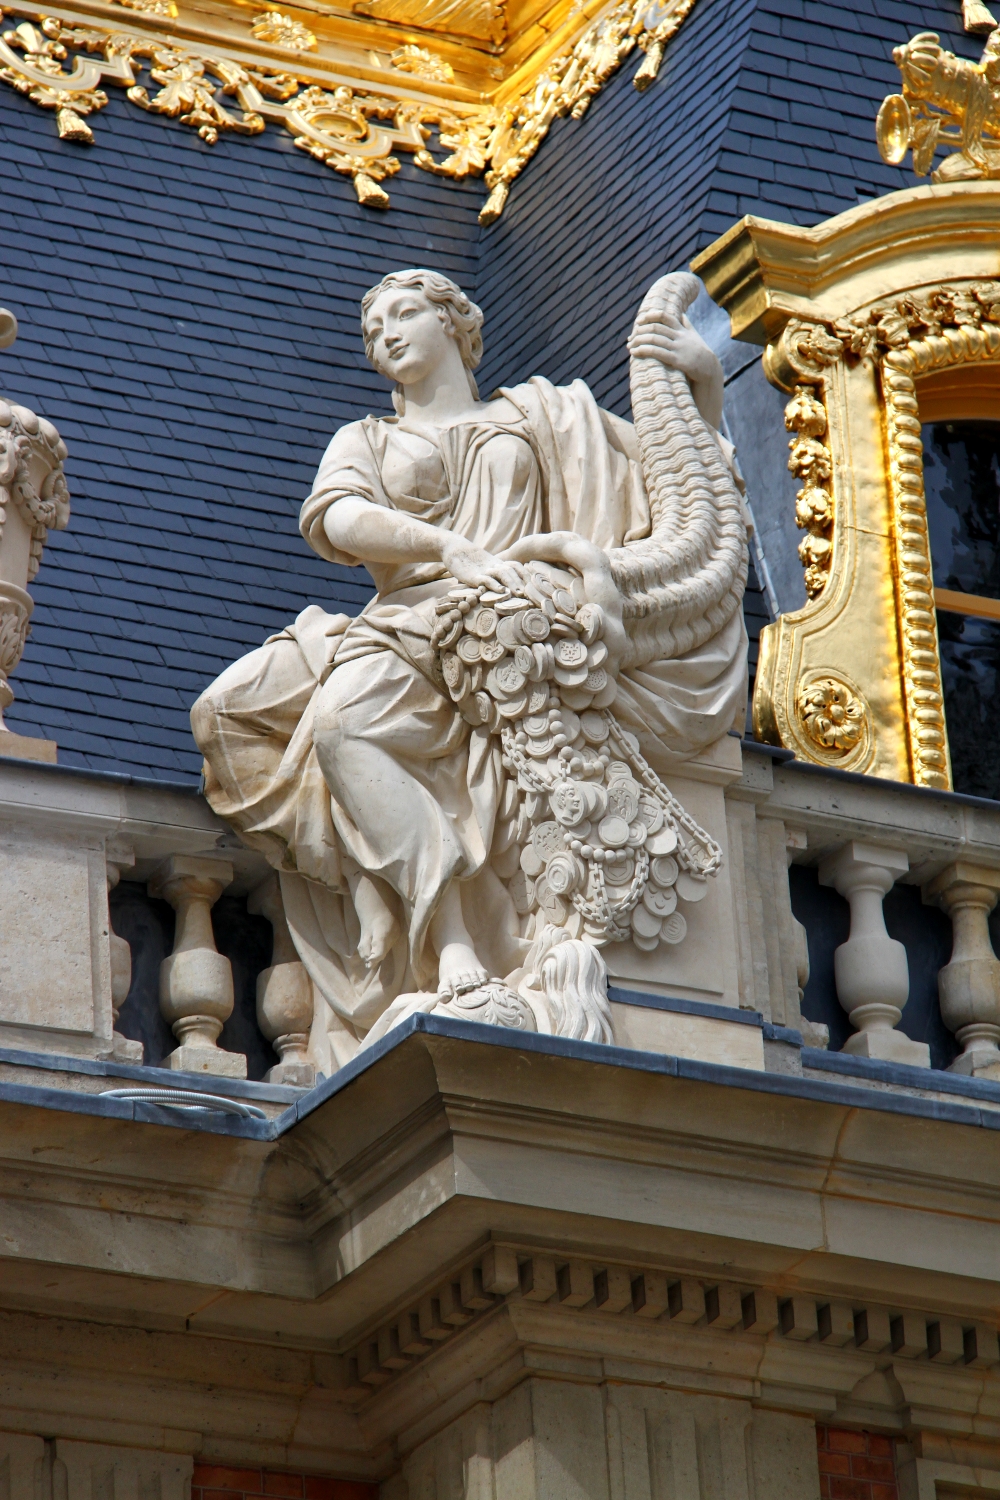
(459, 970)
(379, 927)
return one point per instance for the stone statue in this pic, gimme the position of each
(459, 820)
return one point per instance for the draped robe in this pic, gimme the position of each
(335, 749)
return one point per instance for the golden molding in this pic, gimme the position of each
(254, 73)
(859, 317)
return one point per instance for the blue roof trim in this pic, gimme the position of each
(809, 1090)
(202, 1083)
(619, 996)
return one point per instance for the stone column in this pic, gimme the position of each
(196, 981)
(123, 1049)
(969, 986)
(284, 993)
(873, 980)
(33, 500)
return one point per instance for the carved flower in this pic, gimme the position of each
(805, 414)
(422, 63)
(812, 343)
(813, 508)
(810, 460)
(283, 31)
(831, 714)
(987, 294)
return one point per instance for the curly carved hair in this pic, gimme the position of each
(461, 318)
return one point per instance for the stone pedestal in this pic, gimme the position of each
(969, 985)
(873, 981)
(25, 747)
(196, 981)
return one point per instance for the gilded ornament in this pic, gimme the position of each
(482, 20)
(946, 101)
(475, 139)
(283, 31)
(811, 461)
(422, 63)
(832, 714)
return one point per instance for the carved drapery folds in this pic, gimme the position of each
(349, 127)
(33, 500)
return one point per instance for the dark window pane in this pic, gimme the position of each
(970, 671)
(962, 482)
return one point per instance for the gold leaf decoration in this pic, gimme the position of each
(422, 63)
(283, 31)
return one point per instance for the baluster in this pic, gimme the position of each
(873, 980)
(284, 993)
(196, 981)
(119, 858)
(969, 985)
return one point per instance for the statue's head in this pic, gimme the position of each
(412, 320)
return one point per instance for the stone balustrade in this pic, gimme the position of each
(860, 922)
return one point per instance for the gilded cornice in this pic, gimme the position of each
(353, 87)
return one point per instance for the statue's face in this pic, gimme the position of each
(409, 341)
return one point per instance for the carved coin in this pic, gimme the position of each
(650, 812)
(553, 905)
(663, 870)
(491, 651)
(536, 726)
(531, 861)
(564, 873)
(567, 802)
(620, 871)
(645, 922)
(563, 599)
(513, 708)
(505, 681)
(487, 711)
(452, 671)
(541, 749)
(524, 659)
(590, 619)
(613, 832)
(451, 634)
(547, 839)
(534, 625)
(571, 677)
(674, 928)
(636, 834)
(691, 887)
(596, 681)
(468, 649)
(595, 731)
(660, 903)
(483, 623)
(597, 654)
(623, 798)
(570, 724)
(512, 606)
(570, 653)
(508, 633)
(522, 892)
(663, 842)
(617, 769)
(538, 698)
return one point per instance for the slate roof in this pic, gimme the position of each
(189, 321)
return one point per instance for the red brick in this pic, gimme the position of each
(339, 1489)
(221, 1477)
(287, 1485)
(218, 1494)
(842, 1441)
(821, 1436)
(849, 1489)
(836, 1463)
(884, 1492)
(873, 1468)
(824, 1487)
(878, 1446)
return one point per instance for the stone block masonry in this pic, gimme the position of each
(853, 1465)
(221, 1482)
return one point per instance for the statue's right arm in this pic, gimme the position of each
(373, 533)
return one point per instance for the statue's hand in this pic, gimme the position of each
(676, 344)
(477, 568)
(594, 568)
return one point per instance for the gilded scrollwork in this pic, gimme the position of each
(349, 129)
